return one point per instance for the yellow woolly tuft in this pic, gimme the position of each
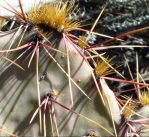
(91, 133)
(144, 98)
(82, 42)
(102, 67)
(128, 110)
(1, 23)
(54, 15)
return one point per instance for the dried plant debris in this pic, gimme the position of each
(120, 15)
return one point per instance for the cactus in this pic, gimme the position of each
(61, 75)
(47, 83)
(19, 94)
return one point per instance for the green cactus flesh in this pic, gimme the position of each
(19, 96)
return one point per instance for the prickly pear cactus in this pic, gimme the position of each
(53, 79)
(47, 87)
(19, 96)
